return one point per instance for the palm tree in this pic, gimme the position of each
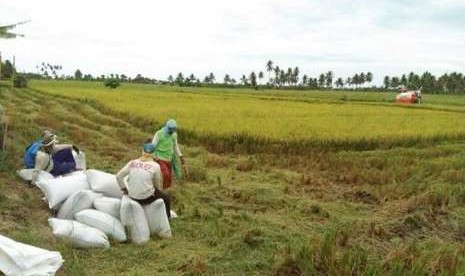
(369, 77)
(304, 80)
(277, 73)
(211, 77)
(289, 75)
(349, 81)
(362, 78)
(260, 76)
(295, 75)
(339, 83)
(244, 80)
(387, 82)
(227, 79)
(329, 79)
(4, 30)
(269, 68)
(253, 79)
(321, 80)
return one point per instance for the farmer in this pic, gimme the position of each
(167, 152)
(144, 182)
(54, 158)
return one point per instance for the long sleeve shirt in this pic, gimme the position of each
(144, 176)
(44, 161)
(166, 145)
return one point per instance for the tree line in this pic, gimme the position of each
(452, 83)
(273, 76)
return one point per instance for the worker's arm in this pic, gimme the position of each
(121, 175)
(177, 150)
(156, 139)
(157, 179)
(42, 160)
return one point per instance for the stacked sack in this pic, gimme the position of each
(91, 209)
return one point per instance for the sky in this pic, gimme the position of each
(158, 38)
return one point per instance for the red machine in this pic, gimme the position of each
(410, 97)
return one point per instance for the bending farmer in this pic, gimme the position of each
(144, 181)
(167, 152)
(49, 156)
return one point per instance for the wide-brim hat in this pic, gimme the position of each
(48, 138)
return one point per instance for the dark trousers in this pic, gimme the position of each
(156, 195)
(63, 162)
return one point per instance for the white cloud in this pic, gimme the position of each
(158, 38)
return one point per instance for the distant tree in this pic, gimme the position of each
(170, 79)
(387, 82)
(339, 82)
(321, 80)
(192, 78)
(329, 79)
(289, 76)
(361, 78)
(227, 79)
(403, 80)
(5, 30)
(211, 77)
(179, 79)
(269, 68)
(260, 76)
(123, 77)
(369, 77)
(78, 75)
(304, 80)
(277, 73)
(253, 79)
(395, 82)
(349, 81)
(295, 75)
(8, 70)
(112, 83)
(244, 80)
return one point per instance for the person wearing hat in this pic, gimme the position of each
(167, 152)
(52, 157)
(144, 183)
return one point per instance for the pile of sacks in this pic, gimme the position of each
(91, 208)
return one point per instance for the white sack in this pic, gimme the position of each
(157, 218)
(133, 216)
(21, 259)
(80, 160)
(77, 202)
(80, 235)
(104, 222)
(108, 205)
(59, 189)
(26, 175)
(104, 183)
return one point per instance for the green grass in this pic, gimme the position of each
(387, 211)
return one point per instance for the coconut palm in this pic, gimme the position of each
(260, 76)
(269, 68)
(5, 30)
(369, 77)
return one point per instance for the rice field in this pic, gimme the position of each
(340, 117)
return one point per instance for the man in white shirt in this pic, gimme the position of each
(144, 183)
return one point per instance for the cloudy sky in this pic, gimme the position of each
(157, 38)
